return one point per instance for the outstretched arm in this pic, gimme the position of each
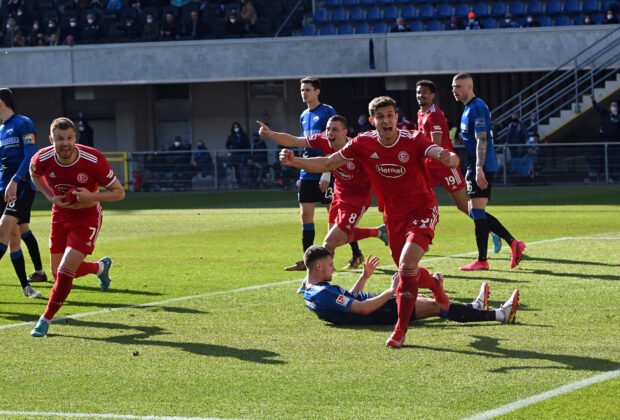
(284, 139)
(315, 164)
(369, 268)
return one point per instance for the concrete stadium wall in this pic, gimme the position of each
(502, 50)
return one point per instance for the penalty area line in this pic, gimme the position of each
(102, 416)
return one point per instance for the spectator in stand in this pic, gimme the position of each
(13, 5)
(234, 27)
(116, 5)
(363, 124)
(69, 41)
(532, 129)
(86, 134)
(610, 120)
(91, 33)
(248, 15)
(53, 39)
(530, 22)
(587, 20)
(71, 29)
(508, 22)
(131, 29)
(454, 24)
(21, 17)
(52, 28)
(169, 30)
(472, 22)
(258, 160)
(150, 31)
(96, 5)
(610, 17)
(195, 27)
(136, 8)
(19, 40)
(40, 41)
(238, 140)
(400, 25)
(202, 162)
(517, 135)
(35, 31)
(81, 4)
(10, 28)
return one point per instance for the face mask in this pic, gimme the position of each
(19, 13)
(515, 120)
(90, 21)
(73, 24)
(507, 20)
(81, 128)
(471, 21)
(587, 20)
(35, 26)
(236, 129)
(177, 144)
(127, 23)
(530, 20)
(610, 16)
(149, 21)
(614, 109)
(401, 27)
(233, 20)
(8, 26)
(51, 25)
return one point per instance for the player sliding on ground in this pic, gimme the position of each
(394, 161)
(69, 175)
(337, 305)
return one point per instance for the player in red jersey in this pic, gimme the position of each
(352, 192)
(394, 161)
(69, 175)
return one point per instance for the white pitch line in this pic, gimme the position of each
(102, 416)
(509, 408)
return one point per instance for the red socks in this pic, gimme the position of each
(362, 233)
(59, 294)
(87, 268)
(426, 281)
(406, 295)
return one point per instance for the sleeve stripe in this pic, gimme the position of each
(343, 156)
(429, 148)
(112, 182)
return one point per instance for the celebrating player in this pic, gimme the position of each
(73, 173)
(337, 305)
(476, 129)
(394, 161)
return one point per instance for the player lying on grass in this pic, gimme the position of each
(340, 306)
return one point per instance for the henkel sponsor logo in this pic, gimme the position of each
(389, 170)
(345, 176)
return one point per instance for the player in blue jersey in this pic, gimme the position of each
(337, 305)
(476, 130)
(315, 188)
(17, 146)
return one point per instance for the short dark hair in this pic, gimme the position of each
(6, 95)
(61, 123)
(339, 118)
(380, 102)
(461, 76)
(313, 80)
(315, 253)
(428, 83)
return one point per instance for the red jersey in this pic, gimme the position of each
(90, 170)
(351, 183)
(396, 171)
(433, 121)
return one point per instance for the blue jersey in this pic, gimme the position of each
(17, 146)
(476, 118)
(314, 122)
(332, 303)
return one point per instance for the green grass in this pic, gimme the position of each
(261, 354)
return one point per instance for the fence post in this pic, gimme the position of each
(215, 174)
(606, 165)
(504, 165)
(576, 89)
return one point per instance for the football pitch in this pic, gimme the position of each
(202, 322)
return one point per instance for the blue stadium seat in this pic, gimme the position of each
(366, 3)
(330, 4)
(345, 29)
(517, 8)
(373, 14)
(408, 12)
(570, 7)
(461, 10)
(390, 13)
(605, 4)
(589, 6)
(425, 11)
(320, 16)
(498, 9)
(480, 9)
(328, 30)
(443, 11)
(544, 21)
(416, 26)
(403, 2)
(553, 7)
(349, 3)
(598, 19)
(578, 20)
(309, 30)
(356, 15)
(338, 16)
(384, 2)
(488, 23)
(380, 28)
(362, 28)
(562, 21)
(434, 25)
(535, 8)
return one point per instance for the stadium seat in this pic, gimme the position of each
(562, 21)
(45, 5)
(380, 28)
(553, 7)
(408, 12)
(443, 11)
(461, 10)
(320, 16)
(544, 21)
(516, 8)
(434, 25)
(373, 14)
(362, 28)
(403, 2)
(366, 3)
(338, 16)
(416, 26)
(345, 29)
(356, 15)
(331, 4)
(498, 9)
(480, 9)
(570, 7)
(488, 23)
(578, 20)
(328, 30)
(598, 19)
(535, 8)
(384, 2)
(425, 11)
(605, 4)
(348, 3)
(589, 6)
(390, 13)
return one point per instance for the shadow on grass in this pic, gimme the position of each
(577, 275)
(480, 276)
(143, 338)
(112, 290)
(576, 262)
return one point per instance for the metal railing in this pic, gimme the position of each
(564, 85)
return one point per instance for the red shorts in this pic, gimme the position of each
(79, 233)
(418, 227)
(345, 216)
(450, 178)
